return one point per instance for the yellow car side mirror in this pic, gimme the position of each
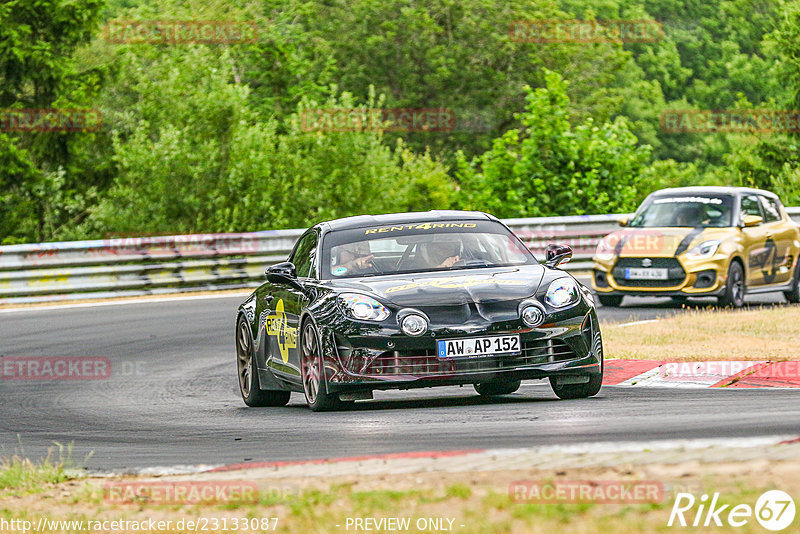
(623, 221)
(752, 220)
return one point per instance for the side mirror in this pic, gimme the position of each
(752, 220)
(623, 221)
(555, 255)
(283, 273)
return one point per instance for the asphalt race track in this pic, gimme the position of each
(172, 399)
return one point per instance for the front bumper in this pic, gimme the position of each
(570, 344)
(688, 278)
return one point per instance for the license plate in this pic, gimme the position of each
(646, 274)
(477, 347)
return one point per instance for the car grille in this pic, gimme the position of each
(675, 275)
(426, 363)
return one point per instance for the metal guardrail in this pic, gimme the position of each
(581, 232)
(139, 265)
(167, 264)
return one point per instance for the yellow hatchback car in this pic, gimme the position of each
(701, 241)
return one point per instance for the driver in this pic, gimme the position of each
(441, 254)
(690, 216)
(354, 258)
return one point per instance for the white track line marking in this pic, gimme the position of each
(634, 323)
(122, 302)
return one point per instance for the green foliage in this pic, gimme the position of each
(785, 42)
(773, 161)
(37, 39)
(209, 163)
(461, 55)
(554, 168)
(37, 42)
(21, 474)
(18, 473)
(769, 163)
(201, 138)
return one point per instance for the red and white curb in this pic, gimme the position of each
(703, 374)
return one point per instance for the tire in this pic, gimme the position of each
(611, 301)
(587, 389)
(577, 391)
(793, 295)
(312, 371)
(498, 386)
(249, 386)
(735, 287)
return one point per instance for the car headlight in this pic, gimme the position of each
(605, 250)
(704, 250)
(362, 307)
(562, 292)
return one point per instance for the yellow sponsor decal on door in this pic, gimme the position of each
(278, 326)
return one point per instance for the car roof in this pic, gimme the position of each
(718, 190)
(362, 221)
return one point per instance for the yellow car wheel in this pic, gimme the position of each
(793, 295)
(735, 287)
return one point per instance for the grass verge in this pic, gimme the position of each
(768, 333)
(464, 502)
(18, 474)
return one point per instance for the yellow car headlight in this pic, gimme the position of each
(605, 250)
(704, 250)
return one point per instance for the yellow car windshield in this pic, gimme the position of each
(690, 211)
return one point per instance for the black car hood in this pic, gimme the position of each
(451, 288)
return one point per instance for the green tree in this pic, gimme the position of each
(772, 161)
(552, 167)
(460, 55)
(194, 156)
(37, 42)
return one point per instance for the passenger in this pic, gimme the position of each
(440, 254)
(354, 258)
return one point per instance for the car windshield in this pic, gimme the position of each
(420, 247)
(693, 211)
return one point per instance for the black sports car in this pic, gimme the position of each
(415, 300)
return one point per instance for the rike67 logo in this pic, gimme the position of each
(774, 510)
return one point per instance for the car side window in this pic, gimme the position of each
(304, 256)
(750, 206)
(771, 211)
